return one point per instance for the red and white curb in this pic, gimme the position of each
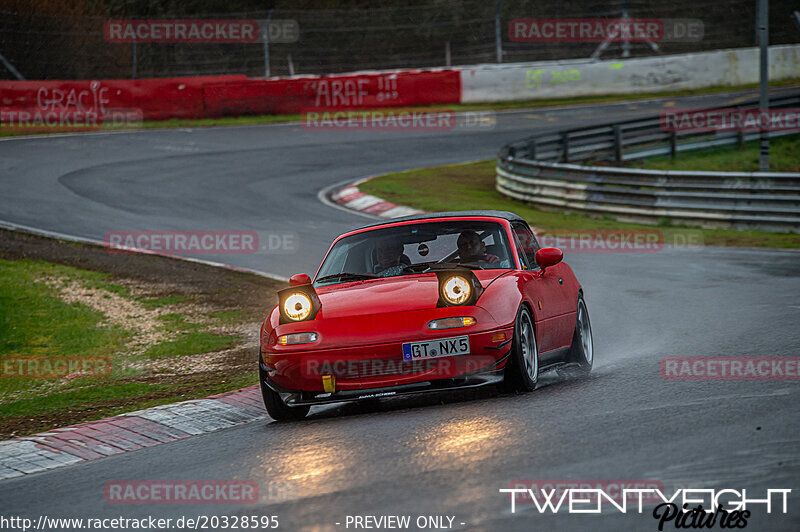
(350, 197)
(128, 432)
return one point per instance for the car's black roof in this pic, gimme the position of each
(505, 215)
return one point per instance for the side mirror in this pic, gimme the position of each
(547, 257)
(299, 279)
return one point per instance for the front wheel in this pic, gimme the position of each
(276, 408)
(522, 369)
(581, 352)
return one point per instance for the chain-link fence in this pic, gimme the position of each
(41, 44)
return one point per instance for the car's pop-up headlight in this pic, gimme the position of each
(297, 307)
(298, 303)
(458, 288)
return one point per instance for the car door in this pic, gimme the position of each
(553, 308)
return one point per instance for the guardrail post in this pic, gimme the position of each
(673, 144)
(532, 149)
(739, 138)
(565, 147)
(617, 143)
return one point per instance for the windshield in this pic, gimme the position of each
(417, 248)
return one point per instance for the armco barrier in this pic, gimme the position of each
(539, 170)
(207, 97)
(563, 79)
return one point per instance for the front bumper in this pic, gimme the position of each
(491, 374)
(380, 365)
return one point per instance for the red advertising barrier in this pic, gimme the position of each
(37, 103)
(158, 99)
(362, 91)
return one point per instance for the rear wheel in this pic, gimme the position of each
(581, 352)
(522, 369)
(276, 408)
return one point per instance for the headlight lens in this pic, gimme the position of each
(298, 338)
(297, 307)
(451, 323)
(456, 290)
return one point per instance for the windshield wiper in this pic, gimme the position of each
(347, 276)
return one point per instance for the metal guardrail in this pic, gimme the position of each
(541, 170)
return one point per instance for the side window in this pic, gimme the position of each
(526, 243)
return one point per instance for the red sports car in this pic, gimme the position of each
(423, 303)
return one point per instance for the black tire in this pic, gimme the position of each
(522, 369)
(276, 408)
(581, 352)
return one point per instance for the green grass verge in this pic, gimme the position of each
(189, 343)
(228, 316)
(497, 106)
(784, 156)
(74, 398)
(471, 186)
(98, 401)
(156, 302)
(35, 321)
(192, 338)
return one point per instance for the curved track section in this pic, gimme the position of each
(433, 455)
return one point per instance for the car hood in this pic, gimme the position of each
(387, 295)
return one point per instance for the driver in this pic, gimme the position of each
(389, 255)
(472, 249)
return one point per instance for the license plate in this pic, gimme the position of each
(443, 347)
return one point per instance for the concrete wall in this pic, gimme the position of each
(556, 79)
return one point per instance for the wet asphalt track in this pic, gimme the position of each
(438, 454)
